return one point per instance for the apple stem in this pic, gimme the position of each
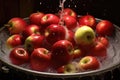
(89, 37)
(21, 51)
(38, 11)
(1, 28)
(7, 25)
(87, 13)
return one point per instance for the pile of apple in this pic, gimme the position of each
(64, 42)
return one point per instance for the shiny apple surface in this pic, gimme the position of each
(112, 61)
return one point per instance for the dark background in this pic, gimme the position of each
(103, 9)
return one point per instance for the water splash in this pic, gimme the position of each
(62, 11)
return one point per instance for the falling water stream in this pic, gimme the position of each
(61, 12)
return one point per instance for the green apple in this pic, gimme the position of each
(84, 35)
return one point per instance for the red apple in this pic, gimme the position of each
(104, 28)
(54, 33)
(70, 37)
(16, 25)
(34, 41)
(78, 53)
(35, 18)
(69, 11)
(98, 50)
(103, 40)
(68, 68)
(89, 63)
(40, 59)
(62, 52)
(49, 19)
(19, 56)
(88, 20)
(31, 29)
(14, 41)
(70, 22)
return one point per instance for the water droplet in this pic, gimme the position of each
(75, 6)
(68, 5)
(40, 3)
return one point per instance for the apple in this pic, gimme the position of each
(61, 52)
(84, 35)
(19, 56)
(71, 12)
(88, 20)
(31, 29)
(70, 37)
(34, 41)
(54, 33)
(78, 53)
(16, 25)
(99, 50)
(104, 28)
(49, 19)
(35, 18)
(89, 63)
(40, 59)
(103, 40)
(70, 22)
(14, 41)
(68, 68)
